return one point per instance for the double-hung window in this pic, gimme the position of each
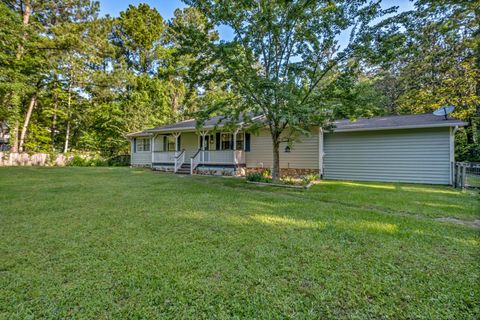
(227, 141)
(169, 143)
(143, 144)
(240, 142)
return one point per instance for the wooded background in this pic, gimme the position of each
(73, 81)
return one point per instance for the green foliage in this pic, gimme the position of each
(39, 139)
(266, 176)
(263, 176)
(282, 57)
(429, 58)
(119, 161)
(354, 96)
(95, 160)
(84, 160)
(138, 33)
(309, 178)
(97, 79)
(466, 150)
(291, 181)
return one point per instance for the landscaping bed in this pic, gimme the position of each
(264, 178)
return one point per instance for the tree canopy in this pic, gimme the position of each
(283, 56)
(71, 80)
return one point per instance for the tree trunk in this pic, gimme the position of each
(18, 145)
(69, 103)
(175, 103)
(54, 116)
(276, 159)
(33, 102)
(54, 125)
(15, 137)
(26, 13)
(67, 137)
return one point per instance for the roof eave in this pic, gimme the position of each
(193, 129)
(189, 129)
(138, 134)
(419, 126)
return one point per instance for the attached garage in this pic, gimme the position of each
(415, 149)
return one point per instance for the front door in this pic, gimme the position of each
(207, 142)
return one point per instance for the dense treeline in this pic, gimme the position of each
(71, 80)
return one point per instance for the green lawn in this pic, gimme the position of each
(93, 243)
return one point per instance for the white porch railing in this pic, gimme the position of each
(224, 156)
(164, 156)
(217, 157)
(195, 160)
(179, 160)
(239, 157)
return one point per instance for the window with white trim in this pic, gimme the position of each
(240, 142)
(143, 144)
(227, 141)
(169, 143)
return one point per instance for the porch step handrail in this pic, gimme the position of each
(195, 160)
(179, 161)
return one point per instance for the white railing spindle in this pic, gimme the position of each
(179, 160)
(195, 160)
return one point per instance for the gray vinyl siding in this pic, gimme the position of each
(409, 155)
(304, 153)
(139, 158)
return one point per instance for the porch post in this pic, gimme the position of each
(235, 146)
(235, 140)
(176, 135)
(152, 142)
(203, 134)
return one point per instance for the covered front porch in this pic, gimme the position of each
(184, 152)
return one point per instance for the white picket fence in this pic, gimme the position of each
(8, 159)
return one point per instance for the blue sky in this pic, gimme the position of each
(167, 7)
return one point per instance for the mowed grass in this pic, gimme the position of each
(112, 243)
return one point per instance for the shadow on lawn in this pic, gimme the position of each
(334, 185)
(401, 199)
(361, 227)
(293, 216)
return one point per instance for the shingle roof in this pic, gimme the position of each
(191, 124)
(139, 134)
(396, 122)
(361, 124)
(188, 125)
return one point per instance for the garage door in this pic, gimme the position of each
(419, 156)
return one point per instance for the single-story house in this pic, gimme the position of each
(402, 148)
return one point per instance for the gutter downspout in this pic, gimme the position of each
(320, 151)
(452, 154)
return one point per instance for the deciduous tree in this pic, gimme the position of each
(282, 56)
